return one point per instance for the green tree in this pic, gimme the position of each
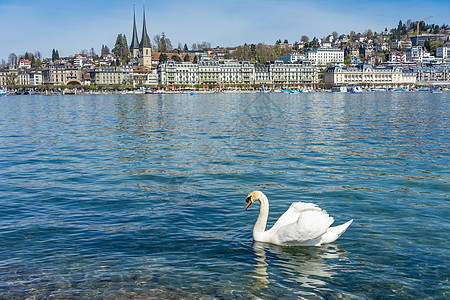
(427, 45)
(186, 47)
(434, 45)
(186, 58)
(253, 50)
(163, 58)
(176, 58)
(121, 49)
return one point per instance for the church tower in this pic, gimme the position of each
(141, 52)
(134, 47)
(145, 47)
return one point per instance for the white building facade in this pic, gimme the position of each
(443, 51)
(233, 73)
(323, 56)
(366, 75)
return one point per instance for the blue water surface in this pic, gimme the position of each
(143, 196)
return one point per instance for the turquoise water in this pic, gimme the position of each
(128, 196)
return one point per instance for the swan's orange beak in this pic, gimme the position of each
(249, 202)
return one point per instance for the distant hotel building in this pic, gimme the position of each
(233, 73)
(111, 75)
(365, 75)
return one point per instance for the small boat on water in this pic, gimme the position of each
(339, 89)
(4, 91)
(435, 91)
(354, 89)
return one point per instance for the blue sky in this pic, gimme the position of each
(71, 26)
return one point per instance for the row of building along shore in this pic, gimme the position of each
(405, 64)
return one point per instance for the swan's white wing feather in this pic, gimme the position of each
(293, 213)
(311, 224)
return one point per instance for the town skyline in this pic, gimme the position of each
(72, 27)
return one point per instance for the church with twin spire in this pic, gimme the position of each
(141, 52)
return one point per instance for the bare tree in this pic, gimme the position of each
(12, 60)
(205, 45)
(304, 39)
(156, 42)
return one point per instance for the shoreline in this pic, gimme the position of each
(195, 92)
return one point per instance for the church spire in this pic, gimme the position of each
(145, 41)
(134, 40)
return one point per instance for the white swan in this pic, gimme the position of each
(303, 224)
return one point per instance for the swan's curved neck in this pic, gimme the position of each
(260, 225)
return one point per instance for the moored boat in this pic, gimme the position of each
(4, 91)
(339, 89)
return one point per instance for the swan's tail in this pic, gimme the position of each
(333, 233)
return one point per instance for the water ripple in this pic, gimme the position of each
(143, 196)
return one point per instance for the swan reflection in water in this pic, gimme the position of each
(308, 266)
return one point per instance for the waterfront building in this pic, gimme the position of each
(23, 77)
(233, 73)
(62, 75)
(36, 77)
(290, 74)
(209, 72)
(141, 52)
(323, 56)
(8, 77)
(433, 74)
(107, 75)
(262, 74)
(171, 73)
(366, 75)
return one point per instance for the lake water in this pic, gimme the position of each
(123, 196)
